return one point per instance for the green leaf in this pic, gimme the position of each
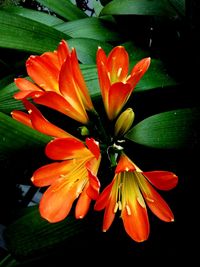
(135, 52)
(179, 5)
(64, 8)
(168, 130)
(87, 48)
(27, 35)
(97, 7)
(31, 236)
(38, 16)
(93, 28)
(155, 77)
(139, 7)
(15, 135)
(91, 79)
(7, 102)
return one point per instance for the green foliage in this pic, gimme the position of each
(168, 130)
(14, 137)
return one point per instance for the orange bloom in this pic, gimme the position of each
(129, 191)
(115, 83)
(36, 120)
(72, 176)
(57, 83)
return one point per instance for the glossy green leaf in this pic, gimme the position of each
(139, 7)
(15, 135)
(87, 48)
(155, 77)
(97, 7)
(64, 8)
(31, 236)
(39, 16)
(7, 102)
(93, 28)
(21, 33)
(168, 130)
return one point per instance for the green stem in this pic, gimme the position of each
(96, 122)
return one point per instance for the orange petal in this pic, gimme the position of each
(124, 165)
(43, 72)
(82, 205)
(22, 117)
(104, 80)
(69, 88)
(80, 82)
(26, 88)
(93, 147)
(57, 102)
(162, 180)
(41, 124)
(118, 96)
(136, 222)
(109, 213)
(118, 64)
(63, 52)
(157, 204)
(49, 173)
(94, 185)
(66, 148)
(138, 71)
(57, 201)
(103, 197)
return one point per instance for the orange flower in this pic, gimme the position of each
(36, 120)
(115, 83)
(72, 176)
(57, 83)
(129, 191)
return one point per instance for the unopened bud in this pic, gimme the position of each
(84, 131)
(124, 122)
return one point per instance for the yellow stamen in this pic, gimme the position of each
(128, 210)
(141, 202)
(116, 207)
(149, 199)
(119, 72)
(120, 205)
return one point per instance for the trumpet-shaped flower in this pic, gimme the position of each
(129, 192)
(57, 83)
(115, 83)
(73, 175)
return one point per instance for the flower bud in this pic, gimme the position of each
(124, 122)
(84, 131)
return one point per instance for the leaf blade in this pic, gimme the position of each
(168, 130)
(24, 34)
(64, 8)
(139, 7)
(12, 130)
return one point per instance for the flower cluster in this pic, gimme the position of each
(56, 81)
